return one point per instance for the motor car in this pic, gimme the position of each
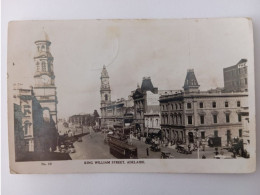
(80, 139)
(71, 149)
(155, 147)
(166, 155)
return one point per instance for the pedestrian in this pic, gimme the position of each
(189, 148)
(203, 156)
(147, 151)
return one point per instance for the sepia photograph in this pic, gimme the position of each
(158, 95)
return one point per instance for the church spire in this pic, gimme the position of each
(191, 83)
(104, 73)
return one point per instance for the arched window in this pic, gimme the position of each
(43, 66)
(106, 97)
(37, 66)
(26, 127)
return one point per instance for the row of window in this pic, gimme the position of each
(215, 119)
(201, 105)
(240, 132)
(228, 134)
(44, 66)
(214, 104)
(173, 120)
(175, 106)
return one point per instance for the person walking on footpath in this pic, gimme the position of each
(147, 151)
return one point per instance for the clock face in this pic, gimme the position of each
(45, 79)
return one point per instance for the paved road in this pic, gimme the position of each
(92, 147)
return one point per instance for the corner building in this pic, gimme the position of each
(194, 114)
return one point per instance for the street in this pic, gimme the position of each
(93, 147)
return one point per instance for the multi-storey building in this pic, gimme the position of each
(44, 86)
(193, 114)
(34, 130)
(113, 113)
(235, 77)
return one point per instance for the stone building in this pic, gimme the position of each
(34, 130)
(44, 86)
(235, 77)
(141, 103)
(113, 113)
(194, 114)
(82, 119)
(35, 109)
(146, 106)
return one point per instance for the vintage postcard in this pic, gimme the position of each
(159, 95)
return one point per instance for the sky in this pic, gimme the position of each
(131, 49)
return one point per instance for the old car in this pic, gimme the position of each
(80, 139)
(182, 150)
(166, 155)
(155, 147)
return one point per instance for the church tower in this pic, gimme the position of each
(191, 83)
(105, 91)
(44, 78)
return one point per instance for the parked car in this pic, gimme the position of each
(155, 147)
(71, 149)
(80, 139)
(165, 155)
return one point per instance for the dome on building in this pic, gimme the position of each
(43, 36)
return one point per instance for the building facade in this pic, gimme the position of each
(235, 77)
(44, 86)
(34, 130)
(113, 113)
(141, 104)
(194, 114)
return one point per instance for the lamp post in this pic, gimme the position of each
(197, 139)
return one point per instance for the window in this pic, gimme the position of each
(238, 103)
(180, 105)
(240, 132)
(176, 106)
(226, 104)
(106, 97)
(216, 133)
(189, 105)
(246, 81)
(37, 66)
(26, 127)
(214, 104)
(43, 66)
(239, 117)
(202, 119)
(215, 118)
(180, 120)
(190, 120)
(227, 118)
(201, 104)
(172, 106)
(202, 135)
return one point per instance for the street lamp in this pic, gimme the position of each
(197, 139)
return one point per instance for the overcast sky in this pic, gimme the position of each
(132, 49)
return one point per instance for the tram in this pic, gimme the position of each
(121, 149)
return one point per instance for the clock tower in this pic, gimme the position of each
(105, 90)
(44, 78)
